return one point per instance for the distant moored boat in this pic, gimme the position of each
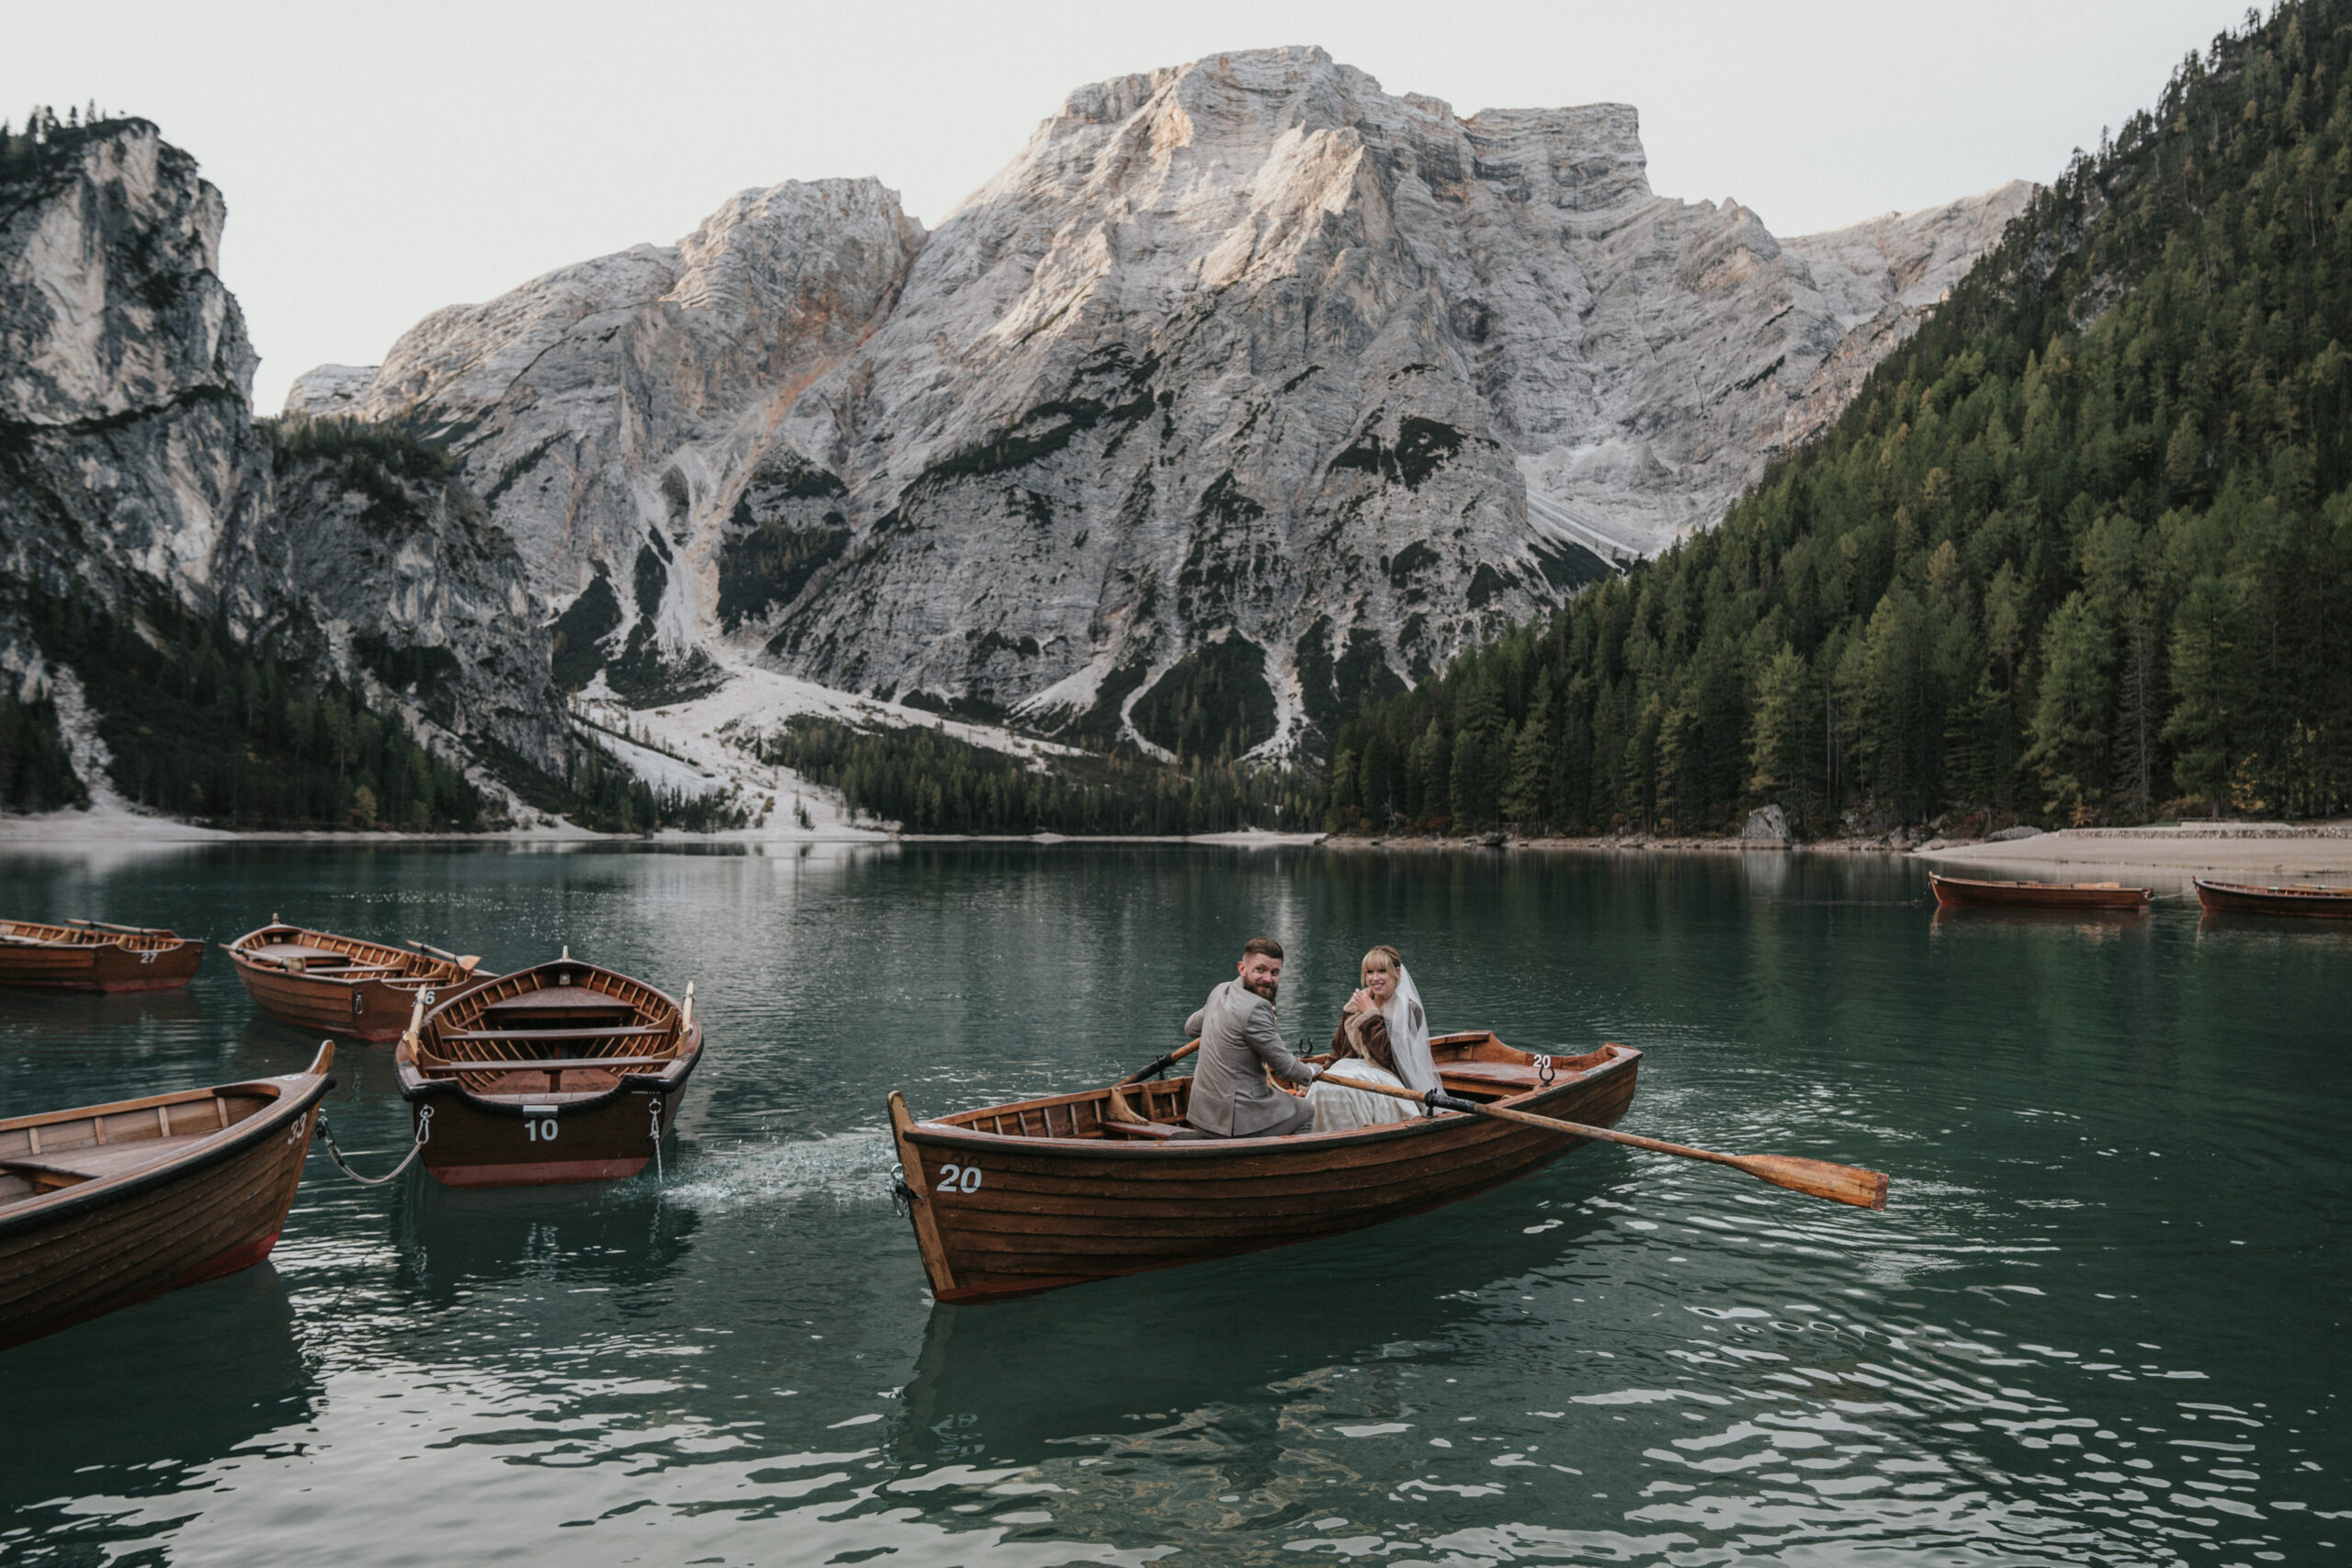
(89, 955)
(1967, 893)
(2244, 898)
(561, 1072)
(110, 1205)
(342, 985)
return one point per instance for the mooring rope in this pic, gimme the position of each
(423, 1136)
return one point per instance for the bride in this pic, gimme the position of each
(1384, 1038)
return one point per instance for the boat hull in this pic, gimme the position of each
(558, 1073)
(90, 1250)
(1966, 893)
(479, 1142)
(2243, 898)
(100, 967)
(369, 1011)
(1048, 1213)
(372, 1009)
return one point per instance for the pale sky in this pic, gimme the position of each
(381, 162)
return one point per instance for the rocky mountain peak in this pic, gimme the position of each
(110, 297)
(1246, 388)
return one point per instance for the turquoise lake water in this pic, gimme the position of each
(2103, 1320)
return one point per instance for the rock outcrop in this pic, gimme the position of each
(133, 477)
(1247, 390)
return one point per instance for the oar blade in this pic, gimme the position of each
(1819, 1178)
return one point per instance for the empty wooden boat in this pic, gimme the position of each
(561, 1072)
(2244, 898)
(110, 1205)
(90, 955)
(342, 985)
(1011, 1200)
(1960, 891)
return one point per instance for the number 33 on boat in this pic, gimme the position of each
(1011, 1200)
(561, 1072)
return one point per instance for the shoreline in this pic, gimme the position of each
(2223, 850)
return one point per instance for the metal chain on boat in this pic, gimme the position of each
(902, 1196)
(653, 1105)
(423, 1136)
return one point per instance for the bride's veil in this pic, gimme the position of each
(1408, 1033)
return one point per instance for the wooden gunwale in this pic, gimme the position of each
(1058, 1210)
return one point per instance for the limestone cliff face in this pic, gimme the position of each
(1247, 389)
(127, 457)
(132, 472)
(619, 416)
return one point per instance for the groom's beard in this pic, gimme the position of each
(1266, 990)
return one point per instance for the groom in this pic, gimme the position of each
(1231, 1098)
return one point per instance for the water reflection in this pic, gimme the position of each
(135, 1403)
(2091, 925)
(2071, 1338)
(999, 1379)
(450, 1241)
(35, 1018)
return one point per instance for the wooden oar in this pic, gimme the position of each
(463, 961)
(111, 926)
(1153, 1070)
(1814, 1177)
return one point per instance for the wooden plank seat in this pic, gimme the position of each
(545, 1065)
(1139, 1130)
(96, 1161)
(632, 1032)
(560, 998)
(1508, 1076)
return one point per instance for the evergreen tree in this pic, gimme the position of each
(2081, 548)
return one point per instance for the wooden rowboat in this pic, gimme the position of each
(342, 985)
(2243, 898)
(1963, 892)
(561, 1072)
(1010, 1199)
(89, 955)
(111, 1204)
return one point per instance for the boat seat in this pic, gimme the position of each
(546, 1064)
(95, 1162)
(1508, 1076)
(629, 1031)
(1149, 1130)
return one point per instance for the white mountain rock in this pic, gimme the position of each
(1246, 389)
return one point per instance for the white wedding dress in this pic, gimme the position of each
(1339, 1109)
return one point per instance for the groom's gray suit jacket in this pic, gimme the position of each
(1230, 1095)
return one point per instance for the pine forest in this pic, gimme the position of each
(2080, 552)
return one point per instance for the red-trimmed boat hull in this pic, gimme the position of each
(1967, 893)
(2305, 902)
(1052, 1212)
(367, 1008)
(215, 1206)
(72, 958)
(509, 1124)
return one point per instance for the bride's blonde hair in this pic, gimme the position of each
(1388, 958)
